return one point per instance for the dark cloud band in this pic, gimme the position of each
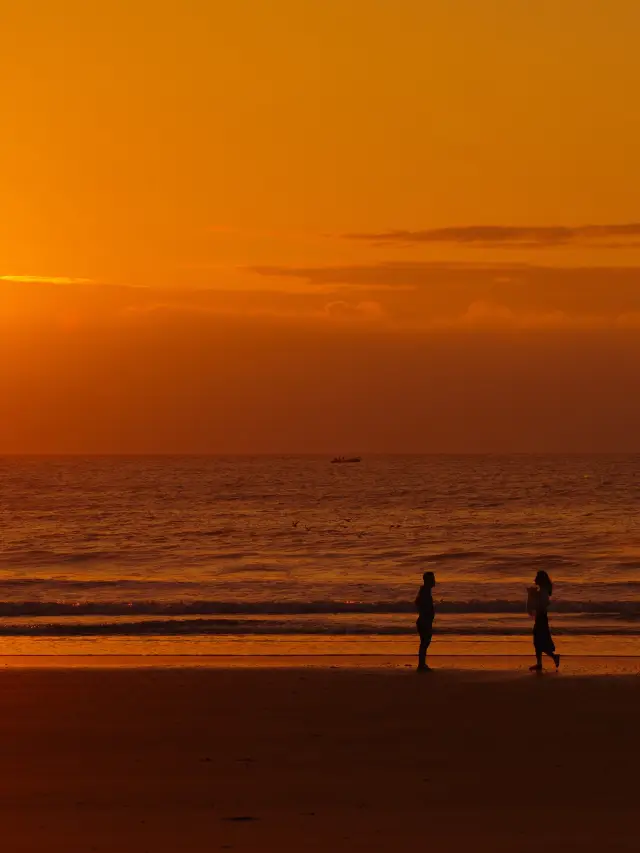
(508, 235)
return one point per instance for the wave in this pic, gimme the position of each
(244, 627)
(46, 558)
(623, 608)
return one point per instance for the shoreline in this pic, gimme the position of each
(313, 646)
(505, 664)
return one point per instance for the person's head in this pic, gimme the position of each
(544, 582)
(429, 580)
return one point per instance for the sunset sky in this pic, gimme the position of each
(320, 226)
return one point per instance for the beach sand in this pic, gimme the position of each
(294, 758)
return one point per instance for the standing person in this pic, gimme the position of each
(426, 615)
(538, 607)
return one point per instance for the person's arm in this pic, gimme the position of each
(542, 604)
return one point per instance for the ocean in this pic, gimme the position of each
(294, 555)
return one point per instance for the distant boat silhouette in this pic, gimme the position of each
(339, 460)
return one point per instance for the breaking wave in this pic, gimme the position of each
(623, 608)
(236, 627)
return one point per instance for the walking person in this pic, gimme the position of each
(426, 615)
(538, 606)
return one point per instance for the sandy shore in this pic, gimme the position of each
(319, 759)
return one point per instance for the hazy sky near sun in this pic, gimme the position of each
(319, 225)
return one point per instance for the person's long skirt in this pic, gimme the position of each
(542, 639)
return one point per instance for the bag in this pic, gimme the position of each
(533, 600)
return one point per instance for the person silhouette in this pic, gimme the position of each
(538, 607)
(426, 615)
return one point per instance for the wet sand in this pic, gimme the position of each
(125, 758)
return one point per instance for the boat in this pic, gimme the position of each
(340, 460)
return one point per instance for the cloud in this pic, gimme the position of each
(386, 296)
(46, 279)
(491, 315)
(415, 275)
(73, 304)
(385, 275)
(421, 294)
(526, 236)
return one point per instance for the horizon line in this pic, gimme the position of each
(304, 454)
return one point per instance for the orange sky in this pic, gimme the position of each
(328, 225)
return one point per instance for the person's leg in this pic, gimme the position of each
(551, 651)
(538, 650)
(422, 654)
(538, 643)
(425, 640)
(550, 647)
